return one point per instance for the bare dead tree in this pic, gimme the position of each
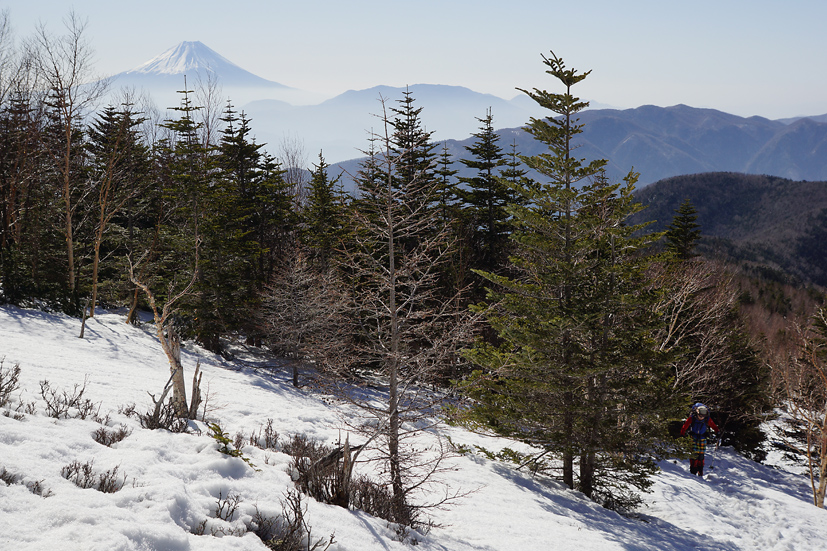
(163, 317)
(293, 158)
(65, 63)
(696, 306)
(209, 97)
(405, 333)
(802, 384)
(9, 56)
(304, 313)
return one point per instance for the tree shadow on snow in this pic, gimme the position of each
(630, 534)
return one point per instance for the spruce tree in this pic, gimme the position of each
(576, 373)
(119, 172)
(446, 189)
(684, 232)
(513, 171)
(485, 197)
(323, 216)
(31, 245)
(248, 210)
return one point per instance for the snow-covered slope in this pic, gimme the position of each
(174, 481)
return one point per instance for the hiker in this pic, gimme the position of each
(697, 424)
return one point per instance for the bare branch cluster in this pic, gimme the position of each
(802, 384)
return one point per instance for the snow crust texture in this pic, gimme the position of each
(174, 481)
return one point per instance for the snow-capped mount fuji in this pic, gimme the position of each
(163, 75)
(197, 58)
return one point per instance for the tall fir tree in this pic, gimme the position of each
(244, 229)
(31, 246)
(323, 216)
(187, 177)
(513, 171)
(485, 197)
(119, 172)
(683, 233)
(412, 147)
(446, 189)
(576, 373)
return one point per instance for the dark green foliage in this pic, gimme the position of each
(577, 374)
(764, 224)
(810, 247)
(226, 445)
(684, 232)
(485, 197)
(119, 173)
(412, 149)
(32, 238)
(446, 189)
(324, 216)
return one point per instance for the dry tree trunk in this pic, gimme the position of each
(171, 343)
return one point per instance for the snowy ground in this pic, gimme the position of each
(174, 481)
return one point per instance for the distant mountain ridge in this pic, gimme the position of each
(661, 142)
(341, 126)
(658, 142)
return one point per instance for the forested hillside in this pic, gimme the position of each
(764, 224)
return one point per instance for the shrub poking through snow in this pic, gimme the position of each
(227, 446)
(266, 438)
(226, 507)
(7, 477)
(225, 511)
(61, 403)
(326, 474)
(161, 416)
(372, 498)
(84, 476)
(35, 487)
(290, 531)
(109, 437)
(9, 382)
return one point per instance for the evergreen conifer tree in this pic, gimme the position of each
(322, 215)
(684, 232)
(577, 373)
(119, 171)
(31, 247)
(513, 171)
(403, 332)
(486, 196)
(446, 189)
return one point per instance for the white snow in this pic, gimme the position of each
(183, 57)
(175, 480)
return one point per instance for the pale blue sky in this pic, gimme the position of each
(747, 57)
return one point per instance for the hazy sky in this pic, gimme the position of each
(747, 57)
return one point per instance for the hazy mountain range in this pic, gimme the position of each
(658, 142)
